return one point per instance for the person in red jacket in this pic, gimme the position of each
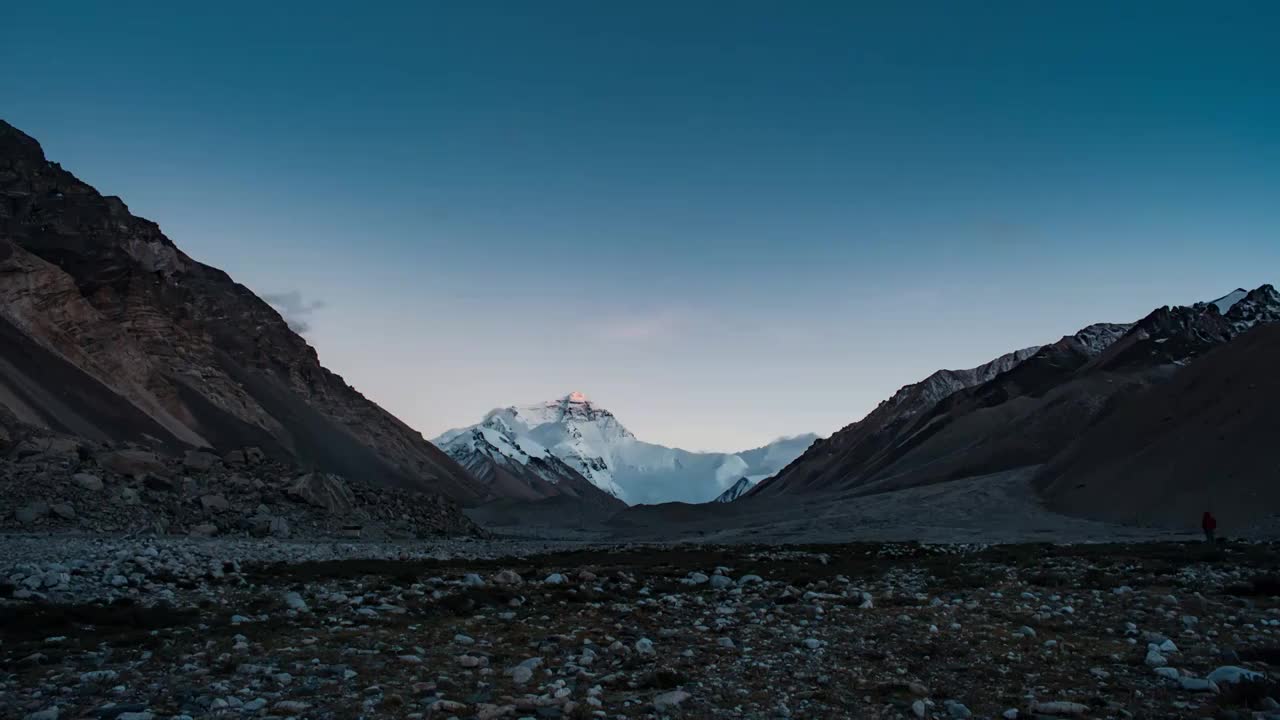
(1209, 524)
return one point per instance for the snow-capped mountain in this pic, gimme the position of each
(590, 440)
(512, 466)
(735, 491)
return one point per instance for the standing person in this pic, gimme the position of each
(1209, 524)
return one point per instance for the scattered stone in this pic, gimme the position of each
(1060, 708)
(85, 481)
(669, 700)
(214, 503)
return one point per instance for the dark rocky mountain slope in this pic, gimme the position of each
(1026, 412)
(1205, 440)
(111, 333)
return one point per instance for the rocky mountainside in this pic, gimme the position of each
(57, 482)
(879, 428)
(1203, 441)
(1028, 410)
(590, 440)
(110, 333)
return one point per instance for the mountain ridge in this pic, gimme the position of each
(1028, 411)
(110, 305)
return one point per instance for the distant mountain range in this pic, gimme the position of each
(1048, 405)
(544, 440)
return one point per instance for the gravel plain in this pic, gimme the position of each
(158, 627)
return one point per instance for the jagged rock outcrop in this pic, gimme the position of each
(109, 332)
(734, 491)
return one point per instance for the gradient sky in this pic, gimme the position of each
(724, 221)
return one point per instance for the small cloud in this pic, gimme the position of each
(294, 309)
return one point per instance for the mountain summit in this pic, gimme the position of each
(590, 440)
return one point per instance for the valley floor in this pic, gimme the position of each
(157, 628)
(1000, 508)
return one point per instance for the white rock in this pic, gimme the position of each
(669, 700)
(1231, 674)
(1192, 684)
(1060, 707)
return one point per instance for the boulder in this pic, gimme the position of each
(132, 463)
(199, 461)
(279, 528)
(665, 702)
(214, 503)
(259, 525)
(1231, 675)
(205, 530)
(156, 483)
(323, 490)
(235, 457)
(1060, 708)
(92, 483)
(53, 448)
(64, 511)
(254, 456)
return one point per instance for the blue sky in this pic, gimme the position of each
(724, 221)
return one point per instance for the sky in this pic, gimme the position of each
(725, 222)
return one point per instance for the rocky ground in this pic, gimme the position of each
(245, 628)
(57, 483)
